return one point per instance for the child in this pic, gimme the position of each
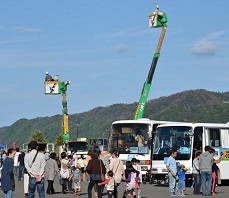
(181, 177)
(110, 184)
(130, 175)
(136, 165)
(81, 163)
(76, 180)
(70, 189)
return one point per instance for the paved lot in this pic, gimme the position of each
(148, 191)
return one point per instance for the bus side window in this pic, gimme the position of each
(214, 135)
(197, 143)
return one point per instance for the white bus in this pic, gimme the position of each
(123, 138)
(47, 147)
(188, 138)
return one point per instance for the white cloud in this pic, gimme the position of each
(121, 48)
(205, 47)
(209, 45)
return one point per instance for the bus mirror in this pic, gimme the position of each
(149, 142)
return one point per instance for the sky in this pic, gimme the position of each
(105, 48)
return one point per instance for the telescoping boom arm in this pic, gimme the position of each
(156, 19)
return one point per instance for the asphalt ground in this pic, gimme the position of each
(148, 191)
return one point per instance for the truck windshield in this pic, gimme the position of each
(172, 137)
(79, 146)
(130, 138)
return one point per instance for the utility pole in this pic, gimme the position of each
(53, 86)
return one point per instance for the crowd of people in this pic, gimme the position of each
(99, 169)
(205, 173)
(103, 172)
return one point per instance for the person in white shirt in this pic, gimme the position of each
(35, 165)
(16, 165)
(81, 163)
(116, 166)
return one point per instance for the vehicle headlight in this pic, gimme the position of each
(144, 168)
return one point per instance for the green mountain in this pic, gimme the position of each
(190, 106)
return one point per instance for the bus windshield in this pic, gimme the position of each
(130, 138)
(78, 146)
(172, 137)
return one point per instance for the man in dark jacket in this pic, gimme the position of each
(206, 162)
(7, 180)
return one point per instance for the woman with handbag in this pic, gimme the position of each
(64, 172)
(116, 166)
(96, 170)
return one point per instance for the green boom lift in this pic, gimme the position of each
(156, 19)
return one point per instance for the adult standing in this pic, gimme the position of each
(196, 174)
(16, 164)
(51, 170)
(35, 165)
(116, 166)
(95, 168)
(215, 170)
(82, 165)
(7, 180)
(104, 156)
(171, 166)
(71, 167)
(87, 159)
(206, 162)
(65, 166)
(26, 181)
(21, 163)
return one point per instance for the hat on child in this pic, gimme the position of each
(181, 166)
